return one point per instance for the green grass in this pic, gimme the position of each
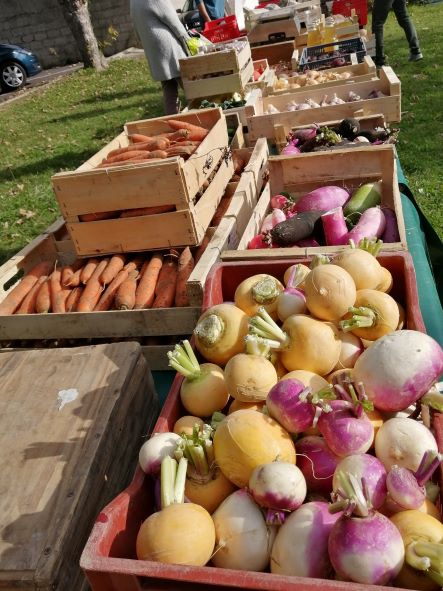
(63, 124)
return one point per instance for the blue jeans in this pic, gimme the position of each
(380, 11)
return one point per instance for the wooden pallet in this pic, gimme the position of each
(61, 464)
(305, 172)
(362, 72)
(171, 181)
(389, 105)
(218, 72)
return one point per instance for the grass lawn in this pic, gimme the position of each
(63, 124)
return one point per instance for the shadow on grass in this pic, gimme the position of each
(106, 96)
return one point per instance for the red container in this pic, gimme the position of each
(109, 559)
(223, 29)
(344, 7)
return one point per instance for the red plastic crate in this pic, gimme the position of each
(344, 7)
(223, 29)
(109, 558)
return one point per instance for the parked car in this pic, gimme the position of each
(189, 15)
(16, 65)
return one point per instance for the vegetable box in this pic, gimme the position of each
(249, 109)
(267, 78)
(358, 73)
(109, 555)
(303, 173)
(226, 70)
(389, 104)
(71, 422)
(275, 52)
(273, 29)
(172, 181)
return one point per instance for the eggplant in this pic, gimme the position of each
(300, 226)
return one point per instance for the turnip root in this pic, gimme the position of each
(365, 468)
(309, 379)
(317, 462)
(278, 486)
(258, 290)
(363, 267)
(399, 368)
(299, 277)
(330, 291)
(373, 315)
(155, 449)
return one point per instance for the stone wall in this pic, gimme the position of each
(39, 25)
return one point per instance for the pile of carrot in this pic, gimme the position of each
(183, 140)
(100, 284)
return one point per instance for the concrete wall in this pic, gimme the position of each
(39, 25)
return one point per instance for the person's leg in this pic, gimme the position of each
(170, 96)
(405, 22)
(380, 11)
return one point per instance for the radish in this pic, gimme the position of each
(403, 442)
(368, 470)
(365, 547)
(323, 198)
(399, 368)
(272, 219)
(258, 241)
(243, 540)
(258, 290)
(371, 225)
(291, 300)
(155, 449)
(317, 462)
(390, 233)
(278, 487)
(330, 291)
(373, 315)
(301, 545)
(199, 381)
(281, 201)
(334, 227)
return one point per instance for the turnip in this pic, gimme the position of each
(237, 405)
(258, 290)
(291, 300)
(368, 470)
(155, 449)
(330, 291)
(422, 537)
(305, 343)
(301, 545)
(317, 462)
(246, 439)
(403, 442)
(300, 275)
(243, 540)
(278, 487)
(363, 267)
(249, 376)
(180, 533)
(399, 368)
(367, 548)
(203, 391)
(220, 331)
(373, 315)
(386, 281)
(186, 424)
(309, 379)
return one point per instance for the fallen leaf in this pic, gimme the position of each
(6, 225)
(26, 213)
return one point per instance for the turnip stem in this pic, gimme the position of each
(216, 419)
(256, 345)
(167, 477)
(425, 555)
(353, 493)
(361, 317)
(319, 259)
(210, 329)
(434, 399)
(180, 479)
(183, 360)
(371, 245)
(296, 276)
(193, 359)
(262, 325)
(275, 517)
(265, 291)
(429, 463)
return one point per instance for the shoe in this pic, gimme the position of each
(415, 57)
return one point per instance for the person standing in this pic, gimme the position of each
(163, 38)
(210, 10)
(380, 11)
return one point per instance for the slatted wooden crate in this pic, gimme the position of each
(171, 181)
(305, 172)
(362, 72)
(266, 79)
(274, 29)
(71, 425)
(274, 52)
(249, 109)
(218, 72)
(389, 105)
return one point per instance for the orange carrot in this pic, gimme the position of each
(107, 297)
(146, 157)
(115, 265)
(16, 296)
(160, 143)
(196, 132)
(59, 306)
(139, 211)
(54, 288)
(28, 304)
(95, 217)
(145, 293)
(73, 299)
(68, 272)
(185, 267)
(178, 150)
(43, 300)
(74, 281)
(134, 153)
(139, 137)
(136, 263)
(166, 284)
(93, 289)
(88, 270)
(125, 296)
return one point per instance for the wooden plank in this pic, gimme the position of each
(64, 462)
(120, 141)
(270, 31)
(274, 52)
(222, 60)
(262, 81)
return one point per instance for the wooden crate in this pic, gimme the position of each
(61, 463)
(263, 82)
(275, 30)
(362, 72)
(389, 105)
(368, 122)
(274, 52)
(249, 109)
(219, 72)
(227, 235)
(171, 181)
(301, 174)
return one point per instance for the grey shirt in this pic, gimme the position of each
(161, 34)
